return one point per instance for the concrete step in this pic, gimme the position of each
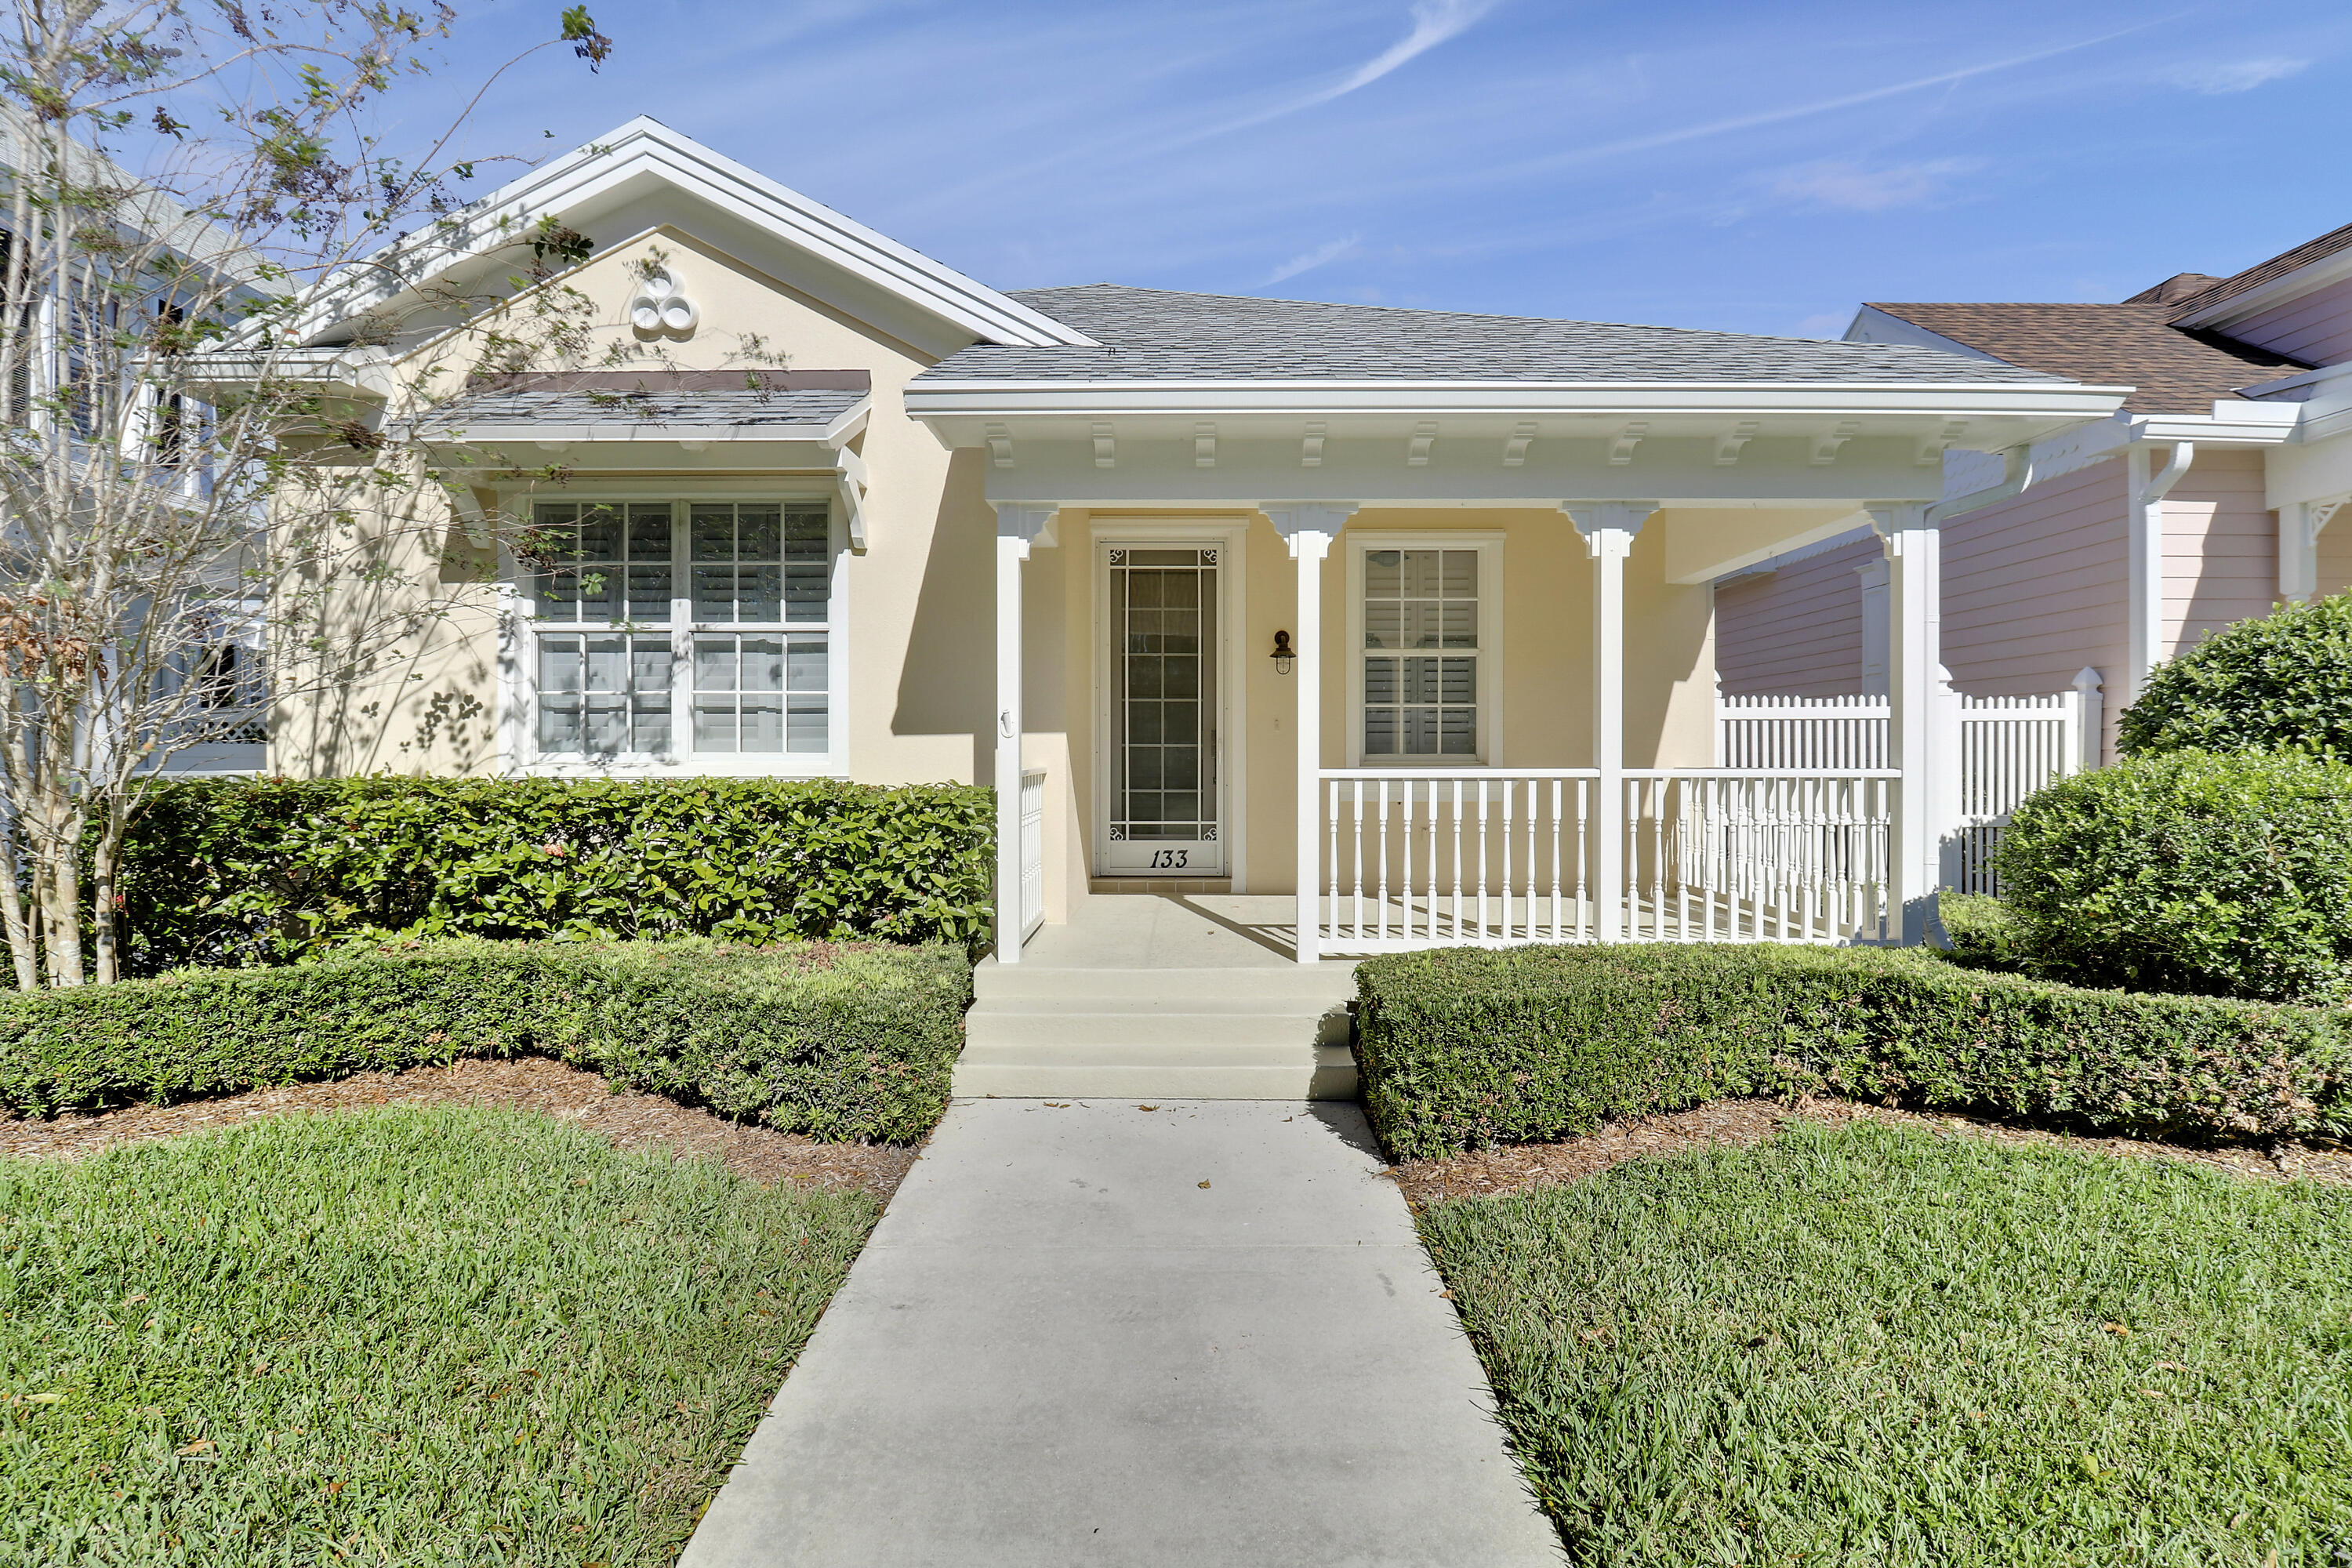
(1322, 982)
(1113, 1023)
(1152, 1053)
(1328, 1075)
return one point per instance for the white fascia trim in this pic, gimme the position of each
(2298, 381)
(2248, 425)
(645, 144)
(2305, 279)
(1007, 399)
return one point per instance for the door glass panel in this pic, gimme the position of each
(1163, 742)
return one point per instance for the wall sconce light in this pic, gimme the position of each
(1282, 654)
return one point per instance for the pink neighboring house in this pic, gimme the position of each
(2206, 501)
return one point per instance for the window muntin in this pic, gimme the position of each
(731, 656)
(1420, 659)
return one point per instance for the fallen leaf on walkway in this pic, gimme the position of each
(1147, 1107)
(1204, 1184)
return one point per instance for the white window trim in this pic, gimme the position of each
(518, 686)
(1488, 543)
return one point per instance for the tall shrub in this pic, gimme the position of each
(279, 870)
(2281, 681)
(2224, 873)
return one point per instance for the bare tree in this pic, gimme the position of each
(197, 528)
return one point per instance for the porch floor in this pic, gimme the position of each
(1157, 931)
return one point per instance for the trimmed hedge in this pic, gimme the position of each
(839, 1042)
(2221, 874)
(236, 873)
(2278, 682)
(1464, 1048)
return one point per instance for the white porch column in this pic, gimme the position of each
(1309, 527)
(1609, 528)
(1916, 722)
(2143, 571)
(1018, 525)
(2299, 527)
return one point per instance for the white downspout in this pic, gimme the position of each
(2017, 475)
(2144, 569)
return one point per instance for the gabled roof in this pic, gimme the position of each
(1157, 336)
(635, 157)
(747, 401)
(2174, 371)
(2262, 272)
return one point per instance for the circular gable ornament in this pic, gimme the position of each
(661, 306)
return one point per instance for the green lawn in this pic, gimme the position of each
(1861, 1345)
(411, 1336)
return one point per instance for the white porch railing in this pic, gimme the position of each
(1456, 857)
(1489, 857)
(1033, 851)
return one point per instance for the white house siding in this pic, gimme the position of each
(2316, 328)
(2221, 549)
(1797, 630)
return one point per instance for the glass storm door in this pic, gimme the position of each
(1161, 747)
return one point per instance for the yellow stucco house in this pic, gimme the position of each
(1225, 595)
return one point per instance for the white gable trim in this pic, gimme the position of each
(646, 146)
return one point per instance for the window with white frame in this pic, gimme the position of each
(1421, 694)
(699, 628)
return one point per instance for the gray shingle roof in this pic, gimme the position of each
(701, 399)
(1152, 334)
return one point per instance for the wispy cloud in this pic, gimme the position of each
(1308, 260)
(2234, 76)
(1757, 122)
(1435, 22)
(1854, 188)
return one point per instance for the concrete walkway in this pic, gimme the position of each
(1199, 1334)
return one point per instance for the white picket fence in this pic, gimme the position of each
(2008, 747)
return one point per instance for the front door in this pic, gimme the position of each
(1162, 788)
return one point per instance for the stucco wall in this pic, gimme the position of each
(2316, 328)
(1543, 663)
(1798, 628)
(919, 633)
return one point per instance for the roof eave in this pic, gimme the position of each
(967, 398)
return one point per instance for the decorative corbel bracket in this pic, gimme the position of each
(1621, 450)
(1728, 445)
(1825, 445)
(1514, 450)
(1425, 437)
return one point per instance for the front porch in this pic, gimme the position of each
(1598, 815)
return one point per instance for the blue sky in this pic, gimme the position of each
(1754, 167)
